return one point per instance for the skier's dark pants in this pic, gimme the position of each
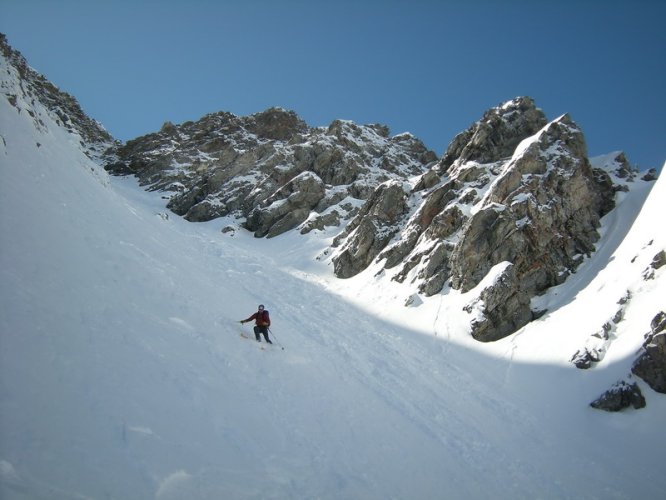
(261, 329)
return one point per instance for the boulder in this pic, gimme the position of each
(501, 308)
(620, 396)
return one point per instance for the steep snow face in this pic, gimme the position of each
(122, 373)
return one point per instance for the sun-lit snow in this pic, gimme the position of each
(123, 375)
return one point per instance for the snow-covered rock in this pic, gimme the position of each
(622, 395)
(223, 164)
(651, 363)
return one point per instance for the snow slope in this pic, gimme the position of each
(122, 373)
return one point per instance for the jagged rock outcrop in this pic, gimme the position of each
(622, 395)
(490, 139)
(651, 363)
(496, 134)
(254, 167)
(371, 229)
(617, 165)
(512, 188)
(541, 212)
(63, 108)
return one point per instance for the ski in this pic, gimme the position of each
(262, 347)
(247, 337)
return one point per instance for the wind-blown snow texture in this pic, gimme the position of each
(122, 373)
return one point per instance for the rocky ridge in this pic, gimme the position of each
(270, 168)
(22, 86)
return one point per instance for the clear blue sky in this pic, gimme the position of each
(424, 66)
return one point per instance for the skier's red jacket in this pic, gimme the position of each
(261, 318)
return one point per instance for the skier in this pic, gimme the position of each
(262, 322)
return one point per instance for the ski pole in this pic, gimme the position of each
(275, 338)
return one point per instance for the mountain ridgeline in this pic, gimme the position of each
(514, 192)
(514, 187)
(65, 109)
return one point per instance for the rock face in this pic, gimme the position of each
(288, 206)
(540, 213)
(63, 107)
(513, 188)
(270, 168)
(651, 363)
(371, 229)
